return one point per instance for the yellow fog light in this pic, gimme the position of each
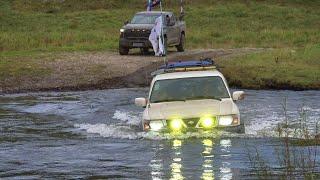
(207, 122)
(176, 124)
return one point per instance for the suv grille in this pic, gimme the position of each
(192, 122)
(137, 33)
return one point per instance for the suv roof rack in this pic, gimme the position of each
(181, 66)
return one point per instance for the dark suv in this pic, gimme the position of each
(135, 34)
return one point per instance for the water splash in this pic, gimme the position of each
(128, 130)
(110, 131)
(129, 118)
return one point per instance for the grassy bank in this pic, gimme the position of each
(258, 69)
(275, 69)
(33, 25)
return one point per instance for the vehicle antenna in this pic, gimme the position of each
(181, 10)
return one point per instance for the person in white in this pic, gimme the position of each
(155, 37)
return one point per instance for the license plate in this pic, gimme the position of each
(137, 44)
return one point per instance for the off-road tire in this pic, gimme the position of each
(165, 44)
(180, 47)
(144, 51)
(123, 51)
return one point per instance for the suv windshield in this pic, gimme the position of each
(144, 18)
(211, 87)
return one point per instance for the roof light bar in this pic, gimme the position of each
(181, 66)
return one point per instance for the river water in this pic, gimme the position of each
(95, 134)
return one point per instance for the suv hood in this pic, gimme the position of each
(138, 26)
(191, 109)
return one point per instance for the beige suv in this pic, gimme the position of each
(190, 96)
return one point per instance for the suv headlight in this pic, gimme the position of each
(121, 30)
(228, 120)
(156, 125)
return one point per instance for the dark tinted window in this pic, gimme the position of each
(188, 89)
(144, 18)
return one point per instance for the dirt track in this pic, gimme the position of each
(102, 70)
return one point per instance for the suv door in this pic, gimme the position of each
(173, 31)
(176, 30)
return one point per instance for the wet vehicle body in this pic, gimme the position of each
(135, 33)
(190, 96)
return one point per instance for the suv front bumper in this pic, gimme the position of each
(234, 129)
(135, 43)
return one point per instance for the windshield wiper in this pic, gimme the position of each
(203, 97)
(167, 100)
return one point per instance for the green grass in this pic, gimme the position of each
(33, 31)
(73, 25)
(275, 69)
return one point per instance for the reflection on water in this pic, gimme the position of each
(156, 165)
(225, 169)
(207, 167)
(214, 157)
(176, 165)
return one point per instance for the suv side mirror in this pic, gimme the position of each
(141, 102)
(126, 22)
(238, 95)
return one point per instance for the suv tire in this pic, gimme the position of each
(165, 44)
(123, 51)
(180, 47)
(144, 51)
